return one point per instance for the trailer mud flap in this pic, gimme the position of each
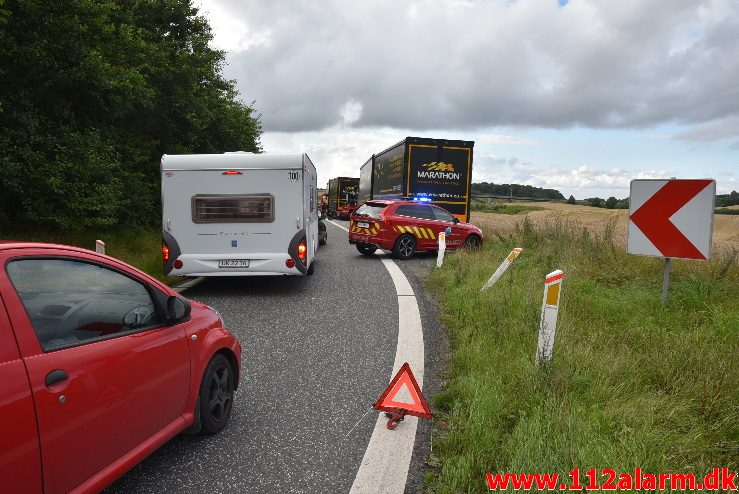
(174, 251)
(293, 250)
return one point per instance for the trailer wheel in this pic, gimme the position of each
(404, 247)
(366, 250)
(311, 268)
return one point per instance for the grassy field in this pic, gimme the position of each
(141, 249)
(632, 384)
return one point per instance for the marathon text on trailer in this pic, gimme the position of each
(439, 170)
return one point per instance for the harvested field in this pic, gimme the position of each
(725, 227)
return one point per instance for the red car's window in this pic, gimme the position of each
(442, 215)
(422, 212)
(71, 302)
(370, 210)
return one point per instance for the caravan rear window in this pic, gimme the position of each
(223, 208)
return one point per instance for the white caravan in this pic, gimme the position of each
(238, 214)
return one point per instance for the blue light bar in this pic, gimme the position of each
(422, 199)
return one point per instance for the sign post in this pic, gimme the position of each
(666, 281)
(672, 219)
(442, 248)
(549, 312)
(502, 268)
(100, 246)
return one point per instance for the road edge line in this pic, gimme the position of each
(387, 459)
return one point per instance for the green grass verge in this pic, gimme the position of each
(631, 384)
(504, 208)
(141, 248)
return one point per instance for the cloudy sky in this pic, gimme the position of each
(578, 95)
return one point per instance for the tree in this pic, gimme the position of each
(596, 202)
(571, 200)
(516, 190)
(725, 200)
(93, 93)
(611, 202)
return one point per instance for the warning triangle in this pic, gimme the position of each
(404, 394)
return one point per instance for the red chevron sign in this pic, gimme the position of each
(671, 218)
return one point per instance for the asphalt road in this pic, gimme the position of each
(318, 351)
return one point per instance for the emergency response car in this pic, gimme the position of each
(405, 227)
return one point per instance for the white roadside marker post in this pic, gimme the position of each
(548, 323)
(442, 248)
(100, 246)
(502, 268)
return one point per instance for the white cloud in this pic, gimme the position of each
(351, 111)
(232, 33)
(506, 139)
(715, 130)
(338, 151)
(344, 82)
(478, 64)
(582, 181)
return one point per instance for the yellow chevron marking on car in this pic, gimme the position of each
(400, 229)
(415, 229)
(431, 234)
(424, 232)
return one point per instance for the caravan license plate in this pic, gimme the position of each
(362, 224)
(233, 263)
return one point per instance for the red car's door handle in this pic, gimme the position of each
(55, 376)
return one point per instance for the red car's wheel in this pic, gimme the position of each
(472, 242)
(366, 250)
(216, 395)
(405, 246)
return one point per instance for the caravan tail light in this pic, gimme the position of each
(165, 253)
(231, 172)
(302, 250)
(290, 263)
(177, 264)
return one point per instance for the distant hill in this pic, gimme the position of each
(516, 190)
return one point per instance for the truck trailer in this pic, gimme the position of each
(438, 171)
(239, 214)
(342, 196)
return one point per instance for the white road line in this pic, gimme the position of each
(188, 284)
(384, 468)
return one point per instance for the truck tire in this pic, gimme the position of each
(404, 247)
(366, 250)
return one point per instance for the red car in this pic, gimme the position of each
(405, 227)
(100, 365)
